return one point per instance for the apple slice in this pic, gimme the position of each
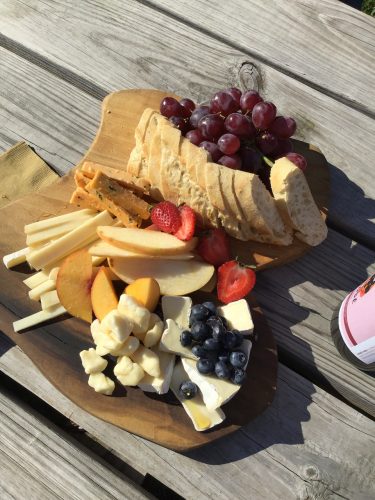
(146, 242)
(73, 284)
(103, 295)
(175, 277)
(104, 249)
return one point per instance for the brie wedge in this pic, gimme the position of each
(178, 309)
(170, 341)
(200, 415)
(238, 316)
(215, 391)
(159, 384)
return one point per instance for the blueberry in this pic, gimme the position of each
(213, 320)
(205, 366)
(222, 370)
(199, 351)
(211, 344)
(223, 356)
(238, 376)
(200, 331)
(239, 338)
(211, 307)
(212, 356)
(229, 341)
(185, 338)
(198, 313)
(188, 390)
(224, 321)
(238, 359)
(218, 331)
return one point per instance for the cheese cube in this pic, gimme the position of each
(123, 366)
(238, 316)
(104, 339)
(178, 309)
(170, 341)
(154, 332)
(148, 360)
(160, 384)
(92, 362)
(101, 351)
(133, 377)
(130, 345)
(140, 316)
(102, 384)
(117, 324)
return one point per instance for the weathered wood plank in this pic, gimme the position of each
(38, 460)
(103, 44)
(282, 454)
(324, 43)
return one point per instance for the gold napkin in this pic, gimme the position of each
(22, 171)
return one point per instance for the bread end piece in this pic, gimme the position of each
(296, 203)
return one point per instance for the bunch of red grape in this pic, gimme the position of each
(239, 130)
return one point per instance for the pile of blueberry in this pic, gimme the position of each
(216, 347)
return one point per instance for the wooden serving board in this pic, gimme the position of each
(54, 347)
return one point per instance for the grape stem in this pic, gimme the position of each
(269, 162)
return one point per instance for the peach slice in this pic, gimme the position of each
(73, 284)
(103, 295)
(146, 291)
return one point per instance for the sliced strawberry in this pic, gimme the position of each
(166, 216)
(234, 281)
(214, 247)
(187, 228)
(152, 227)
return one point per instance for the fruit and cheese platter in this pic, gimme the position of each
(130, 282)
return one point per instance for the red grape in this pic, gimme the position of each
(197, 114)
(263, 114)
(170, 107)
(229, 144)
(194, 136)
(179, 123)
(283, 127)
(298, 160)
(214, 107)
(284, 147)
(213, 149)
(223, 103)
(188, 105)
(235, 93)
(249, 99)
(211, 127)
(240, 125)
(233, 161)
(266, 142)
(251, 160)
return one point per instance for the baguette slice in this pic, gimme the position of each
(135, 166)
(296, 203)
(154, 161)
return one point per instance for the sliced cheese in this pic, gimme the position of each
(216, 392)
(201, 416)
(54, 232)
(160, 384)
(84, 234)
(46, 286)
(107, 250)
(170, 341)
(177, 308)
(36, 279)
(15, 258)
(60, 219)
(238, 316)
(37, 318)
(49, 299)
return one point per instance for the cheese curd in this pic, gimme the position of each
(140, 316)
(101, 384)
(117, 324)
(92, 362)
(127, 372)
(154, 332)
(103, 339)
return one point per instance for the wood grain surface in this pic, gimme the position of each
(39, 461)
(158, 59)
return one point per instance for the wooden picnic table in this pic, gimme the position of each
(316, 60)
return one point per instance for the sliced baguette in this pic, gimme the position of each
(296, 203)
(194, 157)
(134, 166)
(154, 161)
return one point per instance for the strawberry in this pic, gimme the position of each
(187, 228)
(166, 216)
(214, 247)
(234, 281)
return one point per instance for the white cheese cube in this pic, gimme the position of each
(117, 324)
(133, 377)
(140, 316)
(148, 360)
(154, 332)
(216, 392)
(92, 362)
(170, 341)
(101, 351)
(238, 316)
(201, 416)
(130, 345)
(123, 366)
(178, 309)
(102, 384)
(104, 339)
(160, 384)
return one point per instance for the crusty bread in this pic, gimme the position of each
(295, 202)
(154, 162)
(194, 158)
(136, 160)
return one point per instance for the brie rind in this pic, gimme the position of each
(177, 308)
(216, 392)
(200, 415)
(170, 341)
(238, 316)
